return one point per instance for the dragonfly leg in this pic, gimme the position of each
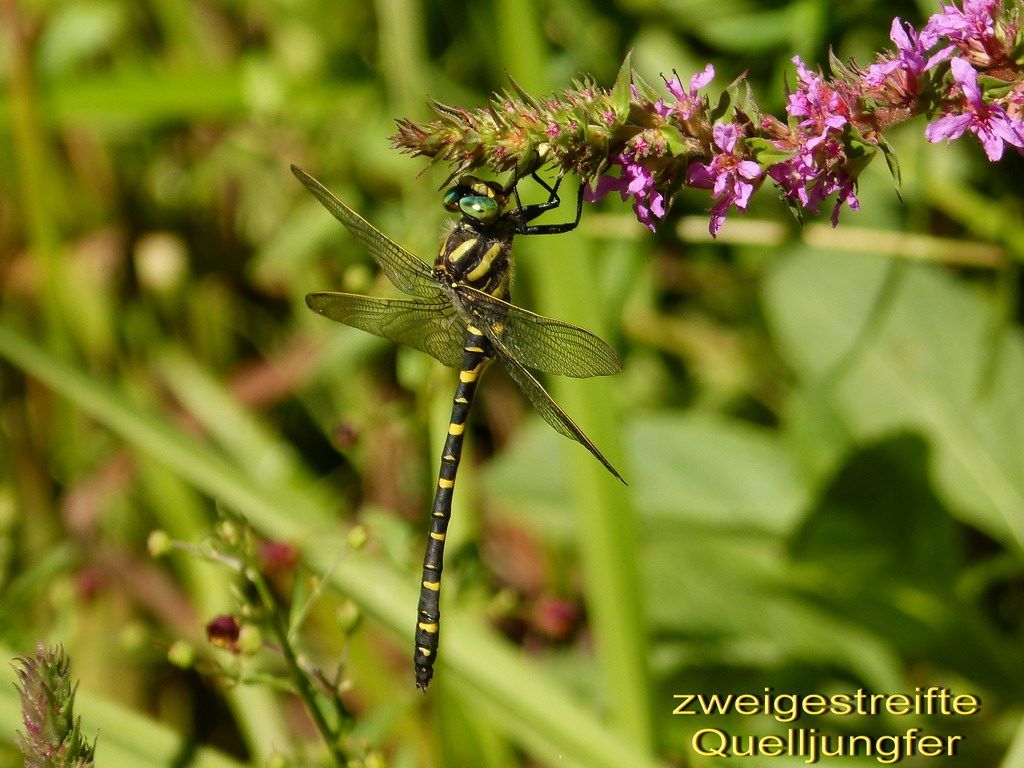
(555, 229)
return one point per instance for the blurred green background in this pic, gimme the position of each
(823, 431)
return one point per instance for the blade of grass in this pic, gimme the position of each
(523, 698)
(31, 156)
(1015, 755)
(403, 59)
(127, 739)
(563, 280)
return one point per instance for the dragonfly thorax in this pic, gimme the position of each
(476, 256)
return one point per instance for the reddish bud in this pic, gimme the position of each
(223, 631)
(278, 557)
(556, 617)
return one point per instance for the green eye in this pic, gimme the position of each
(482, 209)
(452, 197)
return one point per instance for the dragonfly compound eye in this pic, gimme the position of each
(482, 209)
(451, 198)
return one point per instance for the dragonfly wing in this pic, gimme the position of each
(409, 273)
(549, 410)
(433, 327)
(540, 342)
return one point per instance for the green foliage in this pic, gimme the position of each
(822, 439)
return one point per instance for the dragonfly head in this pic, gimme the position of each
(480, 201)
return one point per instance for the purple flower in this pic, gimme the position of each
(687, 102)
(976, 21)
(730, 176)
(911, 54)
(821, 107)
(814, 173)
(989, 122)
(819, 165)
(635, 180)
(793, 175)
(845, 187)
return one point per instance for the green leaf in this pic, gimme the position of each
(699, 468)
(930, 364)
(674, 139)
(765, 152)
(621, 93)
(886, 554)
(720, 109)
(521, 92)
(893, 164)
(646, 91)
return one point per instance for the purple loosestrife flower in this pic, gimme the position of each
(819, 166)
(821, 107)
(644, 173)
(634, 180)
(975, 21)
(688, 103)
(989, 122)
(810, 177)
(732, 178)
(911, 54)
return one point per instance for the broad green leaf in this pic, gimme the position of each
(702, 468)
(931, 365)
(1015, 756)
(719, 471)
(881, 550)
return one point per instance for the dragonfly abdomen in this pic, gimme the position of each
(476, 353)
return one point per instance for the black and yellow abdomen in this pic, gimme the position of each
(476, 353)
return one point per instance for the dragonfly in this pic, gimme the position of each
(460, 313)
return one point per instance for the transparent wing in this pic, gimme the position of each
(433, 327)
(539, 342)
(551, 412)
(409, 273)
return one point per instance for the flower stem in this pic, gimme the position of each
(301, 680)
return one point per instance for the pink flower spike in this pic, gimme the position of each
(634, 180)
(817, 102)
(724, 135)
(967, 77)
(675, 87)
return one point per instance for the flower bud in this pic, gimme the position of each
(357, 537)
(349, 617)
(182, 654)
(250, 639)
(278, 557)
(228, 531)
(159, 543)
(222, 631)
